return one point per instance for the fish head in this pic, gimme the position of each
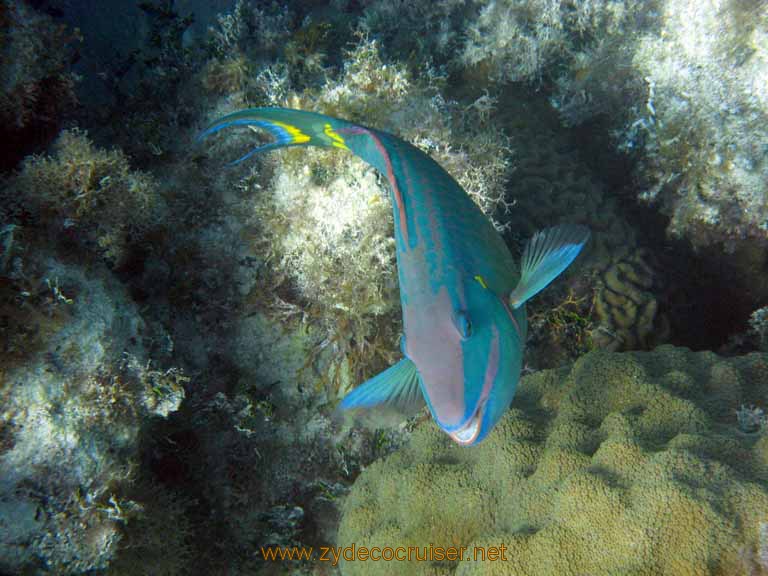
(469, 360)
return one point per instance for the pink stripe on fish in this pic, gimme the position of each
(390, 175)
(492, 367)
(512, 317)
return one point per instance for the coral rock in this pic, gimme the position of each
(617, 464)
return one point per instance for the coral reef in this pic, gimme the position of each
(273, 285)
(704, 120)
(87, 196)
(680, 91)
(83, 374)
(517, 40)
(498, 41)
(680, 86)
(71, 413)
(620, 463)
(36, 85)
(551, 183)
(279, 286)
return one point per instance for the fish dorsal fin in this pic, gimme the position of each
(397, 387)
(546, 255)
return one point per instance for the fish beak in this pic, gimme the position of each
(468, 433)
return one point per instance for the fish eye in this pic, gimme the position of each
(464, 324)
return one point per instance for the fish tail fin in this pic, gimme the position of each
(288, 127)
(546, 255)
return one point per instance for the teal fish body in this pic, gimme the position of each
(463, 301)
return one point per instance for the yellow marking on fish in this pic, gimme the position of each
(481, 281)
(298, 137)
(338, 141)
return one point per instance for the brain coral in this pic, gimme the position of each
(627, 308)
(619, 464)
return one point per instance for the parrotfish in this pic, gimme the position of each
(463, 301)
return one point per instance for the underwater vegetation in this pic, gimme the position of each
(87, 196)
(679, 84)
(620, 463)
(80, 377)
(703, 127)
(37, 87)
(72, 407)
(697, 115)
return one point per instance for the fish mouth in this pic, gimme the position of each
(468, 433)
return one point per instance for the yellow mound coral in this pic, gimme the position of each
(621, 464)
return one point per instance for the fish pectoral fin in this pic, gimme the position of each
(397, 387)
(546, 255)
